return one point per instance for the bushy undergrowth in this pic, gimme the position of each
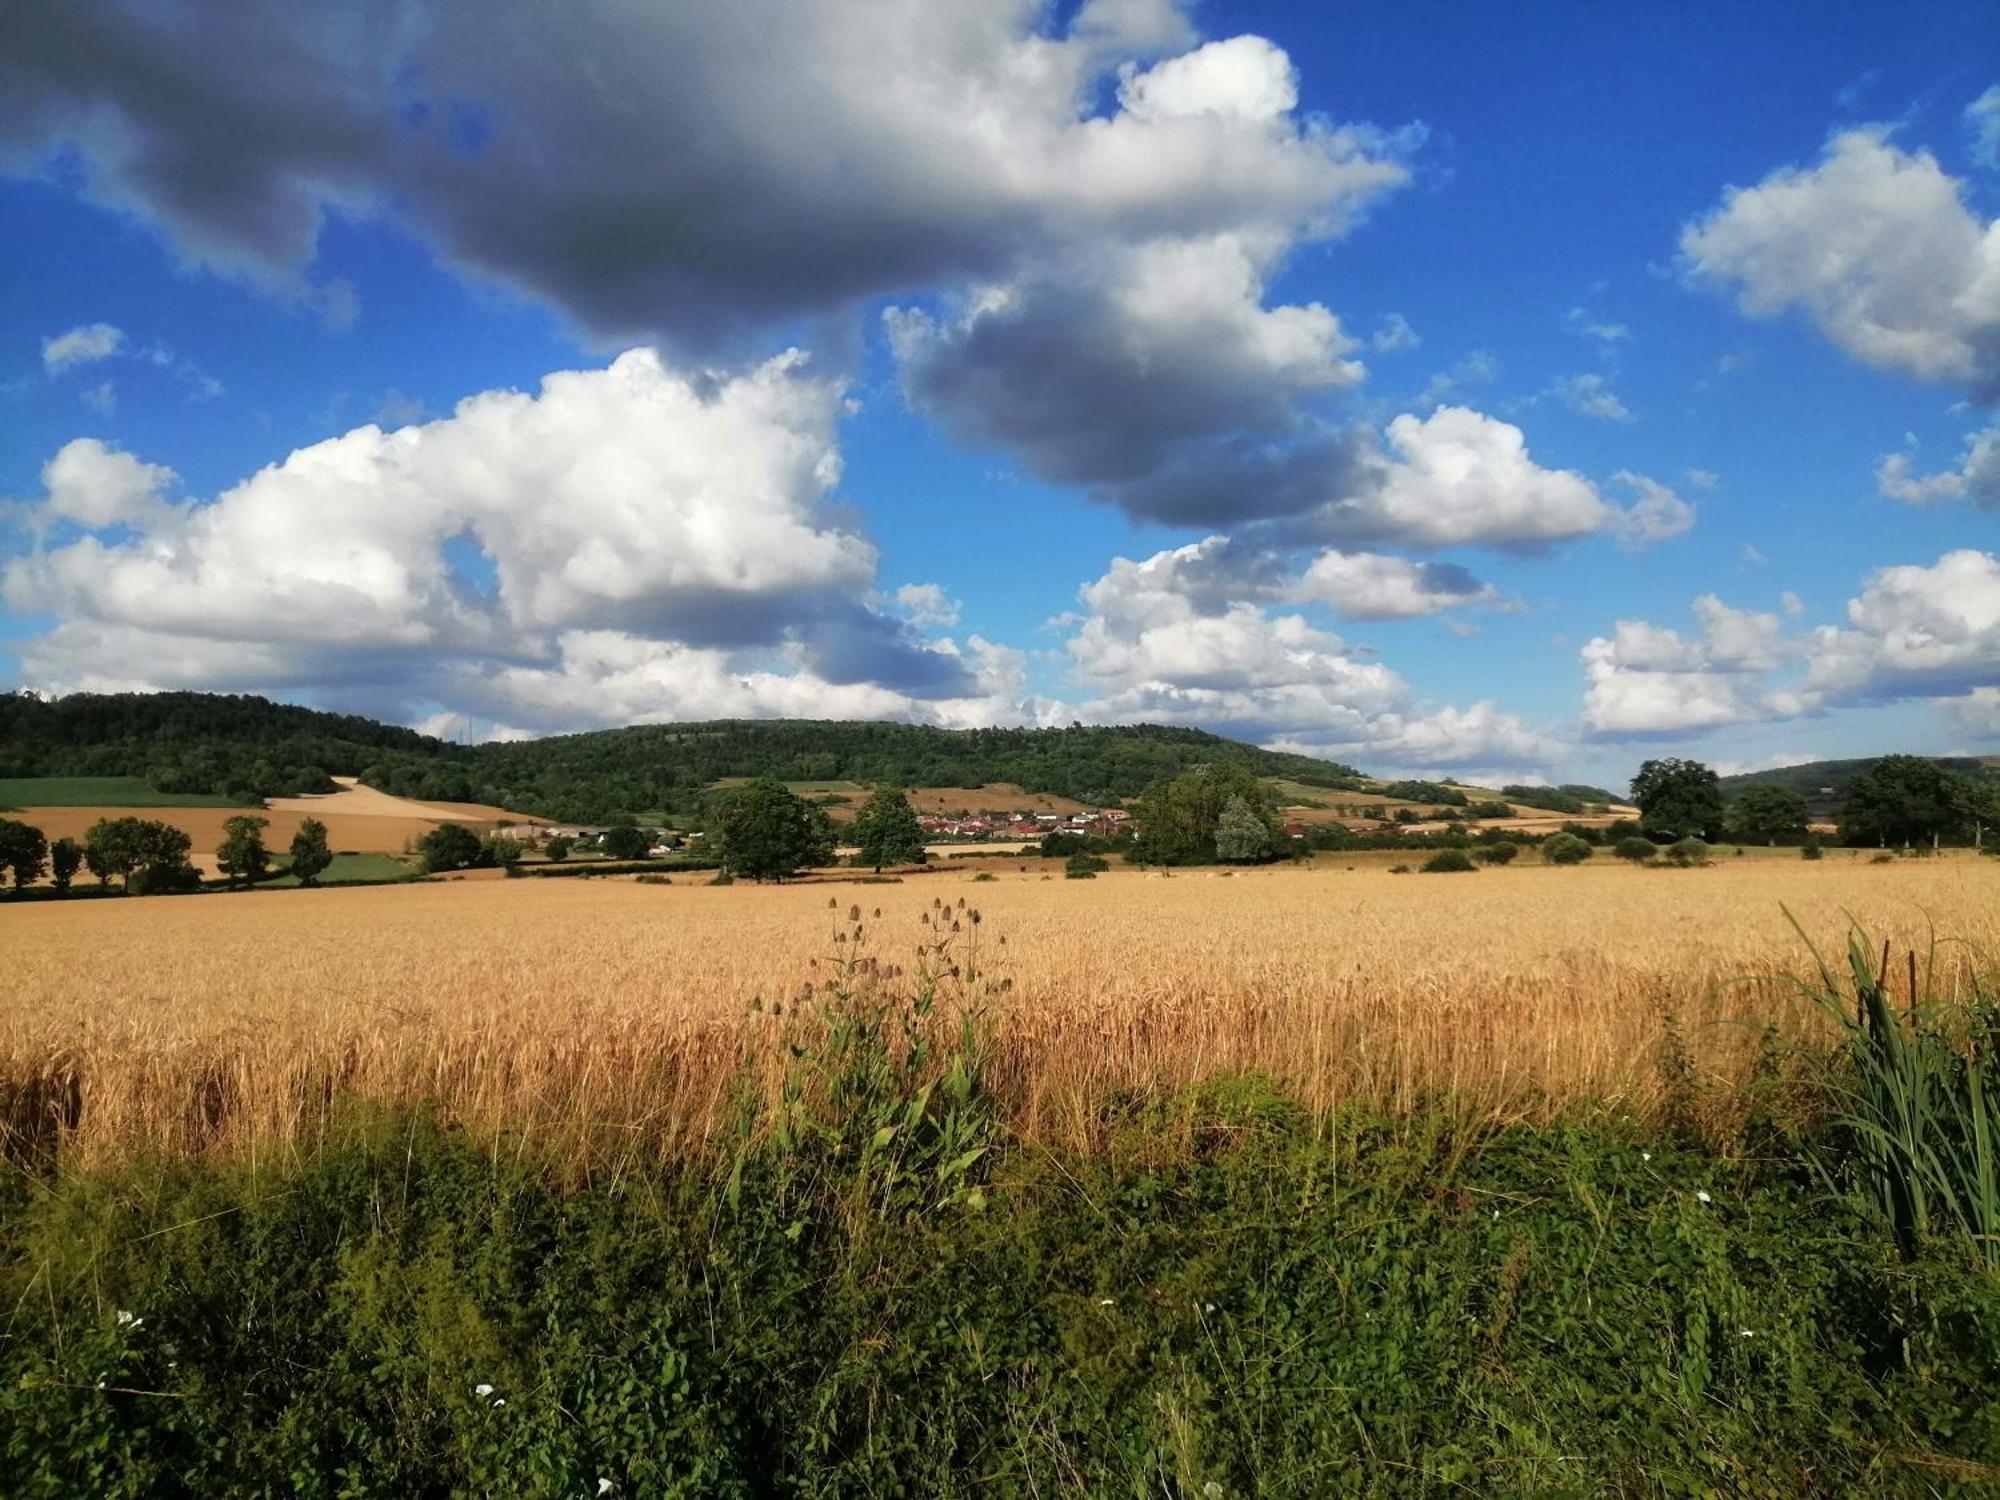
(1275, 1309)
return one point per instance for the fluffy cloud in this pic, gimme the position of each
(633, 526)
(1878, 246)
(97, 486)
(1152, 374)
(1185, 637)
(1913, 631)
(1977, 713)
(1977, 477)
(80, 346)
(1645, 679)
(670, 171)
(1461, 478)
(1371, 586)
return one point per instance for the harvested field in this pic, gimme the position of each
(604, 1016)
(357, 818)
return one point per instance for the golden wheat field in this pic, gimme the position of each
(595, 1017)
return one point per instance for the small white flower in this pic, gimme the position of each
(128, 1320)
(1746, 1333)
(1106, 1302)
(1208, 1307)
(603, 1485)
(1496, 1213)
(498, 1402)
(482, 1390)
(1701, 1196)
(1645, 1156)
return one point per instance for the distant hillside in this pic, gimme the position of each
(227, 744)
(1824, 783)
(199, 742)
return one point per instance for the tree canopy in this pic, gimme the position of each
(146, 854)
(886, 830)
(1179, 817)
(766, 833)
(1766, 812)
(1678, 798)
(310, 854)
(241, 855)
(23, 851)
(1904, 799)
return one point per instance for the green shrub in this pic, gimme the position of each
(1637, 850)
(1565, 849)
(1688, 852)
(1501, 852)
(1811, 848)
(1084, 867)
(1449, 862)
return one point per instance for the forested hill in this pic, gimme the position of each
(1824, 783)
(209, 742)
(197, 742)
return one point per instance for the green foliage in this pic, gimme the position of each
(240, 745)
(1435, 792)
(1679, 798)
(557, 848)
(766, 833)
(501, 850)
(241, 856)
(1638, 850)
(877, 1293)
(65, 859)
(1688, 852)
(1812, 848)
(146, 854)
(1178, 819)
(23, 851)
(1242, 835)
(1904, 799)
(886, 830)
(1565, 849)
(310, 854)
(1766, 812)
(1082, 866)
(624, 840)
(1448, 862)
(1916, 1100)
(1499, 852)
(449, 846)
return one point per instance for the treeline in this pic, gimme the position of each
(252, 747)
(231, 745)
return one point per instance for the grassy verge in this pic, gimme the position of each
(1285, 1310)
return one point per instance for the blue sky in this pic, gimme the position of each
(1508, 391)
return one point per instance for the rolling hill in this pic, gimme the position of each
(250, 747)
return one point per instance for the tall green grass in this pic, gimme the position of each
(1913, 1096)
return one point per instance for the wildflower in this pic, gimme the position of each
(127, 1320)
(1106, 1302)
(1701, 1196)
(603, 1485)
(498, 1402)
(482, 1390)
(1645, 1156)
(1746, 1333)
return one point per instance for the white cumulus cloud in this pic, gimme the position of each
(1878, 246)
(80, 346)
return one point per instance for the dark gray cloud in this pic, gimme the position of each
(676, 171)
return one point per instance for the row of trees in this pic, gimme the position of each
(1899, 799)
(149, 857)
